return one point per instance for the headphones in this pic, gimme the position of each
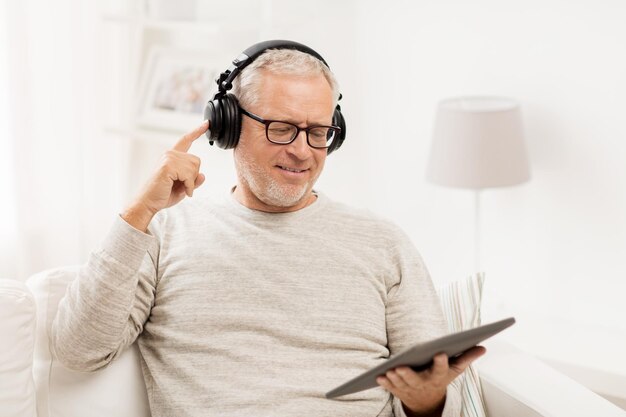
(223, 112)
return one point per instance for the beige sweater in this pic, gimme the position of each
(244, 313)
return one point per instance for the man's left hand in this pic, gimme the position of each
(424, 393)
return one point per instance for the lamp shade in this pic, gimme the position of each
(478, 143)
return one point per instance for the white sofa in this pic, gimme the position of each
(33, 383)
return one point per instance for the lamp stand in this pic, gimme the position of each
(477, 226)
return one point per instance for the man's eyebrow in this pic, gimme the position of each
(298, 123)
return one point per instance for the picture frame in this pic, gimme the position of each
(175, 86)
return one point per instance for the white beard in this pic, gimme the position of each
(266, 188)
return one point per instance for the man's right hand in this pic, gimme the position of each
(177, 176)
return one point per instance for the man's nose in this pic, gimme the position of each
(299, 147)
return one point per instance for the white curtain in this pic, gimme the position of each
(50, 145)
(7, 172)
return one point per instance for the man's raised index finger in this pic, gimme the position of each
(185, 142)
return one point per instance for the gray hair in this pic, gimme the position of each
(279, 61)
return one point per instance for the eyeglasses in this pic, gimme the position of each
(283, 133)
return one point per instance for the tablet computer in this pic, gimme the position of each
(420, 356)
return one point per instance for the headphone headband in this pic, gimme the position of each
(225, 80)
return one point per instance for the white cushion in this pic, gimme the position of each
(461, 301)
(117, 390)
(17, 340)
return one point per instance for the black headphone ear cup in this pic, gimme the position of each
(233, 120)
(227, 126)
(338, 120)
(224, 121)
(212, 113)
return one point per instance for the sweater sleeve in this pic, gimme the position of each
(414, 313)
(107, 304)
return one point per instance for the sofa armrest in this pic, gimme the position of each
(17, 343)
(517, 384)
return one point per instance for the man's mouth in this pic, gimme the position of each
(290, 169)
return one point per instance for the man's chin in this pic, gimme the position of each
(284, 197)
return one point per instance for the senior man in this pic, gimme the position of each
(258, 303)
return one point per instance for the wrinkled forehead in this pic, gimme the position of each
(295, 98)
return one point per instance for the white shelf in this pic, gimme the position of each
(116, 18)
(182, 25)
(142, 134)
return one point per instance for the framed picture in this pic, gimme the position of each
(175, 86)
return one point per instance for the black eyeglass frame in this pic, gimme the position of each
(299, 129)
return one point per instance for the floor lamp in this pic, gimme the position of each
(478, 143)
